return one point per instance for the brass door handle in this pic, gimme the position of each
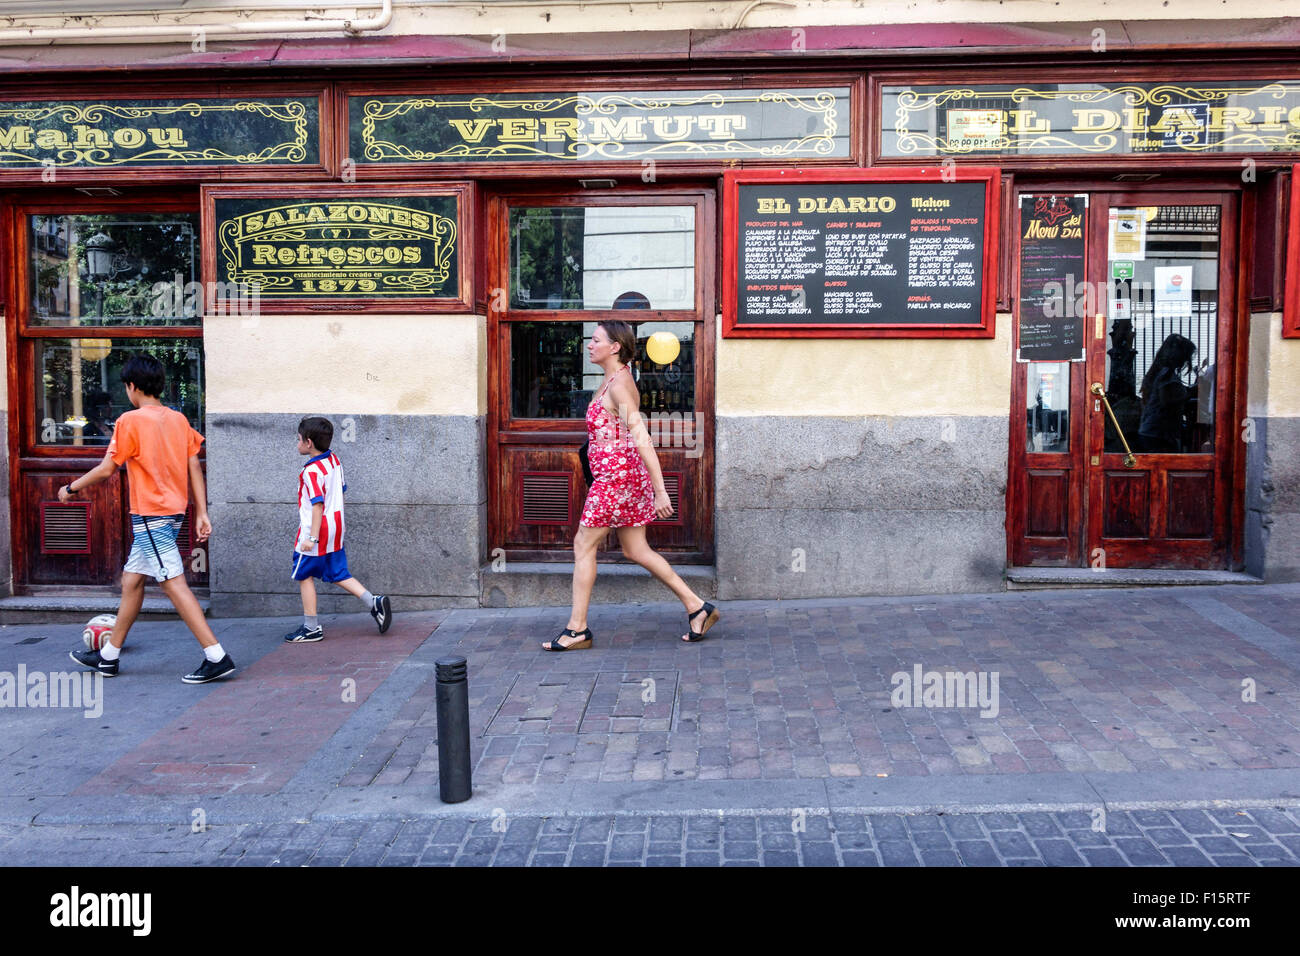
(1129, 460)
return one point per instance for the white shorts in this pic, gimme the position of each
(143, 558)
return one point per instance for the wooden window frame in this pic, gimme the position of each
(1291, 304)
(628, 170)
(1169, 165)
(499, 320)
(121, 90)
(26, 334)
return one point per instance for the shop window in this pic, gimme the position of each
(602, 257)
(551, 376)
(79, 393)
(114, 269)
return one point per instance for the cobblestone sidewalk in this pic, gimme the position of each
(1255, 837)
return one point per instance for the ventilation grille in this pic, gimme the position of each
(673, 485)
(65, 528)
(546, 497)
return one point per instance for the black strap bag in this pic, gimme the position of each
(586, 464)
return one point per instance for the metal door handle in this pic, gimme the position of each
(1129, 460)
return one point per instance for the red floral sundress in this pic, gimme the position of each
(621, 494)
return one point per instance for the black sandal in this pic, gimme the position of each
(711, 618)
(555, 645)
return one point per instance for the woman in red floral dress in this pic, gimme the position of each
(627, 493)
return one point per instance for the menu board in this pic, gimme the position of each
(864, 250)
(1052, 298)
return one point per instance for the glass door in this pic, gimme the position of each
(1159, 464)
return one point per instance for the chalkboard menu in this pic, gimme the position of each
(1052, 298)
(319, 246)
(860, 252)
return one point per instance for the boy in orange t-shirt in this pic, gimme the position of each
(160, 451)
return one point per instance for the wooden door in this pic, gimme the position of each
(560, 262)
(1163, 354)
(1158, 307)
(91, 282)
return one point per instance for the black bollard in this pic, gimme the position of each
(453, 730)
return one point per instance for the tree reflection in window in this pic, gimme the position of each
(112, 269)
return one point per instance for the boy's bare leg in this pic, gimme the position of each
(128, 609)
(352, 586)
(187, 606)
(307, 588)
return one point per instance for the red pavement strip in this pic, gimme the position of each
(252, 733)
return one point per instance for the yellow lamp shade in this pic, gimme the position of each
(92, 350)
(663, 347)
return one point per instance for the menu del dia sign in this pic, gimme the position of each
(860, 253)
(350, 247)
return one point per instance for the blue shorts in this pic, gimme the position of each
(328, 567)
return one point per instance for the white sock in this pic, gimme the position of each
(109, 653)
(369, 599)
(214, 653)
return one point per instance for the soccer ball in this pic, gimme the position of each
(99, 630)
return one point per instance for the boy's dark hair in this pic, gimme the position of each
(146, 373)
(318, 431)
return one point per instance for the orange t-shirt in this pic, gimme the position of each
(155, 443)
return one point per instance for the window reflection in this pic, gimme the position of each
(602, 257)
(1048, 399)
(551, 376)
(114, 269)
(79, 393)
(1160, 367)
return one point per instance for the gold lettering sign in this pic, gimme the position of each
(1065, 118)
(679, 124)
(345, 248)
(198, 132)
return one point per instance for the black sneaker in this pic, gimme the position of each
(209, 671)
(305, 635)
(92, 660)
(382, 612)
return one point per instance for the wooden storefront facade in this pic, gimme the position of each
(75, 159)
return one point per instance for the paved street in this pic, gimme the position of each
(1257, 837)
(1103, 728)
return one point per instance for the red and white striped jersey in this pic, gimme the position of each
(321, 481)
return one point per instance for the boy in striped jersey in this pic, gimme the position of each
(318, 546)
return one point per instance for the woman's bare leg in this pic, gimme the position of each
(584, 576)
(636, 548)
